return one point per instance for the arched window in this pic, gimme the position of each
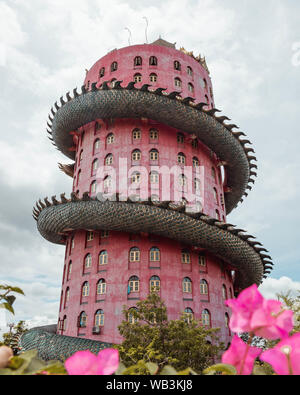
(153, 77)
(181, 158)
(132, 319)
(207, 99)
(82, 320)
(67, 296)
(190, 71)
(134, 254)
(114, 66)
(202, 260)
(187, 285)
(95, 166)
(138, 61)
(154, 254)
(195, 143)
(136, 155)
(154, 155)
(227, 319)
(64, 323)
(78, 177)
(177, 65)
(216, 196)
(136, 134)
(197, 185)
(99, 318)
(89, 236)
(81, 156)
(190, 87)
(96, 146)
(85, 289)
(93, 187)
(182, 180)
(102, 72)
(154, 283)
(134, 284)
(69, 271)
(205, 318)
(224, 292)
(138, 77)
(217, 215)
(180, 138)
(136, 178)
(196, 162)
(203, 287)
(185, 256)
(110, 138)
(107, 182)
(177, 82)
(154, 177)
(88, 261)
(188, 315)
(101, 287)
(153, 61)
(153, 134)
(103, 258)
(109, 159)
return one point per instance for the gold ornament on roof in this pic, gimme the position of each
(198, 58)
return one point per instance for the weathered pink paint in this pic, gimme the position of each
(118, 270)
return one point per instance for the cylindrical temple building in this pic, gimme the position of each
(143, 109)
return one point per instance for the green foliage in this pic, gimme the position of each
(27, 363)
(220, 369)
(154, 339)
(10, 339)
(6, 299)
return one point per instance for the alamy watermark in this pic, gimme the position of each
(296, 54)
(177, 184)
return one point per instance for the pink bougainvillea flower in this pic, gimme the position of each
(5, 354)
(86, 363)
(243, 308)
(271, 321)
(241, 356)
(285, 356)
(266, 318)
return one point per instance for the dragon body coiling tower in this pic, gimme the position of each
(143, 108)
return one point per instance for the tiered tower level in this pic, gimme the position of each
(153, 106)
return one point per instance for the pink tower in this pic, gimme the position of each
(144, 109)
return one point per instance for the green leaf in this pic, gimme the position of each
(54, 368)
(259, 371)
(152, 367)
(187, 372)
(121, 369)
(10, 299)
(8, 307)
(223, 368)
(168, 370)
(17, 290)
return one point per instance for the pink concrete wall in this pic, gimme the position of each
(117, 272)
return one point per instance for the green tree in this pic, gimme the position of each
(151, 338)
(10, 339)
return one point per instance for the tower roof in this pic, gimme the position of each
(163, 43)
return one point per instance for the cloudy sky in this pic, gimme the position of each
(253, 52)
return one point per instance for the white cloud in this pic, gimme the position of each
(45, 47)
(272, 286)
